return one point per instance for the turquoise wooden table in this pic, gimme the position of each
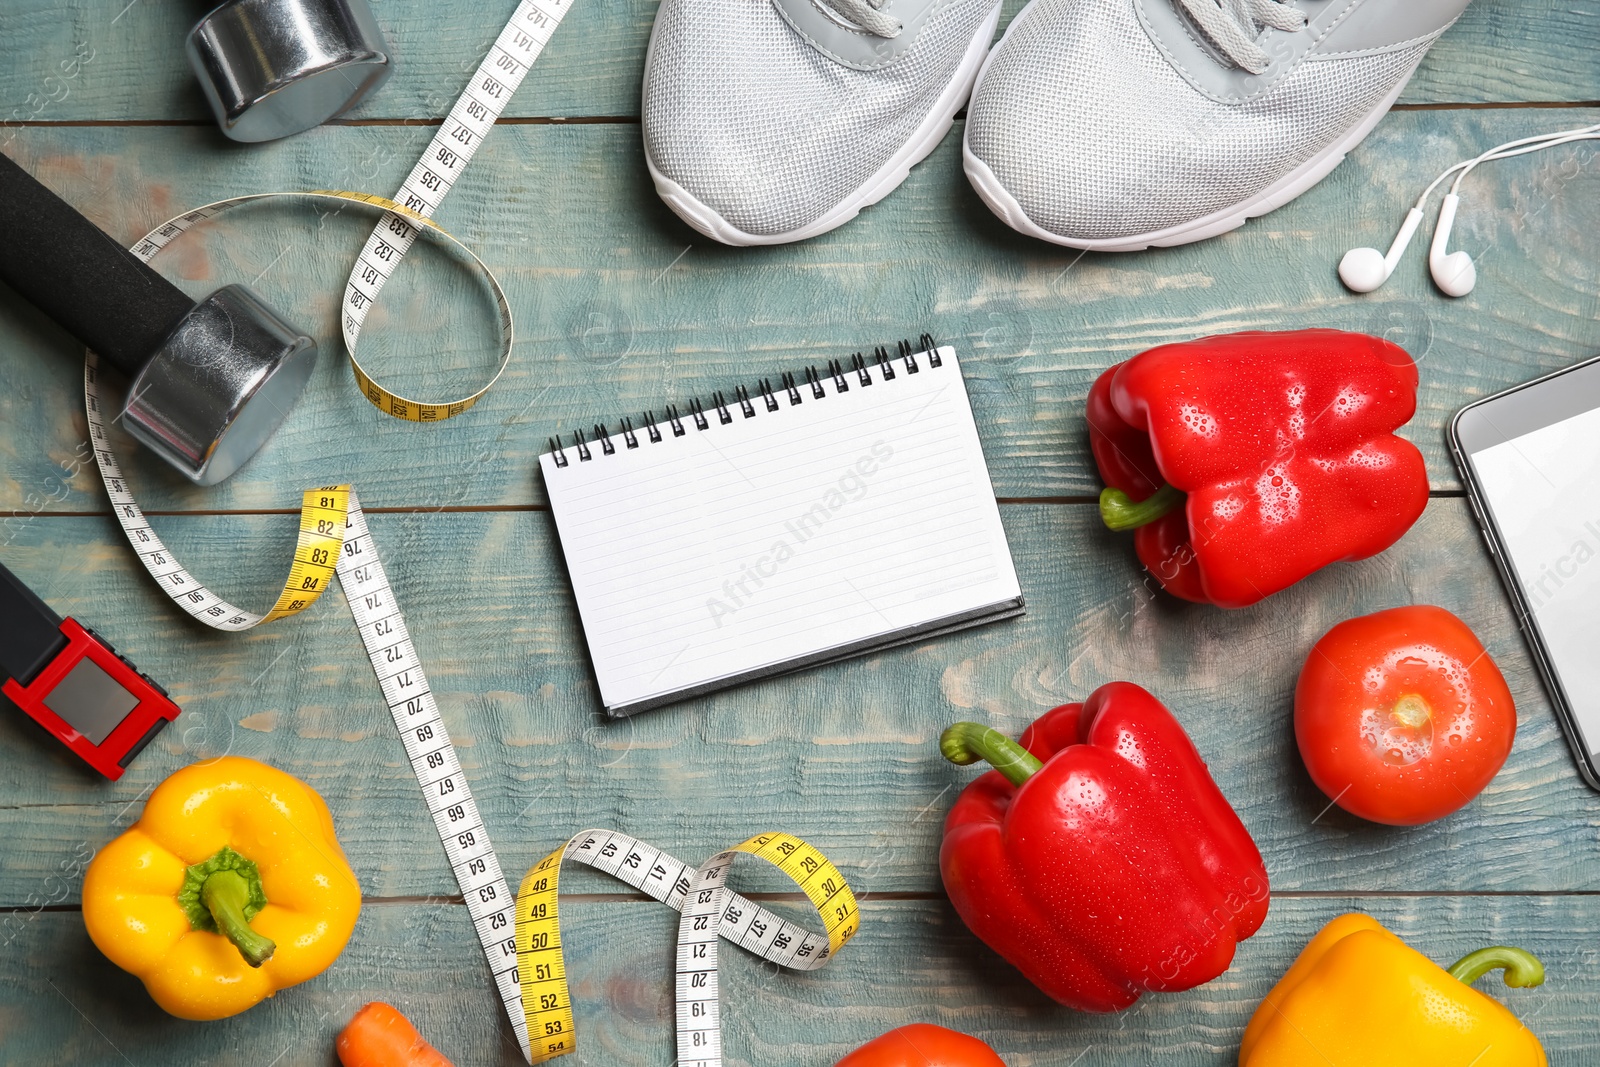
(619, 307)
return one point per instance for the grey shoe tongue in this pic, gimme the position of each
(1235, 25)
(866, 15)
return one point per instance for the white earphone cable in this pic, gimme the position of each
(1520, 147)
(1588, 133)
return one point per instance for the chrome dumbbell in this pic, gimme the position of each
(208, 382)
(271, 68)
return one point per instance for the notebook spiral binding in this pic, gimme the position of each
(811, 381)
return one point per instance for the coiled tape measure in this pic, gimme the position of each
(710, 911)
(521, 937)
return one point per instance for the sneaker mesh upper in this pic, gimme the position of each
(770, 133)
(1091, 131)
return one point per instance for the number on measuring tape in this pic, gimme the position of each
(711, 911)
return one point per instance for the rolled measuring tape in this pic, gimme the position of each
(435, 174)
(334, 540)
(396, 218)
(711, 911)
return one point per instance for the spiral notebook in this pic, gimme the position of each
(790, 525)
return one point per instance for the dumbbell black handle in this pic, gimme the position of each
(78, 275)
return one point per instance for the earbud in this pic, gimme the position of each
(1364, 269)
(1453, 272)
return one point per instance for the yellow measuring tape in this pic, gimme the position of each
(387, 251)
(711, 912)
(385, 247)
(323, 515)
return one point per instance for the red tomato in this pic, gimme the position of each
(1401, 716)
(922, 1045)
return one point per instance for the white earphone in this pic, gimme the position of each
(1452, 272)
(1364, 269)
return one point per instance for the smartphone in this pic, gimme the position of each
(1531, 460)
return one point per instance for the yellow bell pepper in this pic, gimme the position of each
(1359, 997)
(230, 887)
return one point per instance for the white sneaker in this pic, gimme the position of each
(1119, 124)
(768, 121)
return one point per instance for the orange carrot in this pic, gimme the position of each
(379, 1036)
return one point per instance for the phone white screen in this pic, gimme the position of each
(1543, 490)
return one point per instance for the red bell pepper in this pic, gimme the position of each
(922, 1045)
(1099, 857)
(1246, 462)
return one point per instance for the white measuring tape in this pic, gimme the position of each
(334, 539)
(710, 911)
(435, 174)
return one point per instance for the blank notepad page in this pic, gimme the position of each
(781, 538)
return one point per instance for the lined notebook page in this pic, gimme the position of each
(780, 538)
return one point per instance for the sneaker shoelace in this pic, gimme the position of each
(1235, 25)
(865, 14)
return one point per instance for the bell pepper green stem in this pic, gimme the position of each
(1523, 969)
(222, 894)
(1119, 511)
(968, 742)
(225, 895)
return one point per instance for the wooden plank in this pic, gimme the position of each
(1501, 51)
(621, 308)
(912, 962)
(845, 756)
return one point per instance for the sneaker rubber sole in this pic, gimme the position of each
(887, 178)
(1285, 189)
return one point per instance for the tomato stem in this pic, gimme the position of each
(1412, 710)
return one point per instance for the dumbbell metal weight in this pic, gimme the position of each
(271, 68)
(209, 382)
